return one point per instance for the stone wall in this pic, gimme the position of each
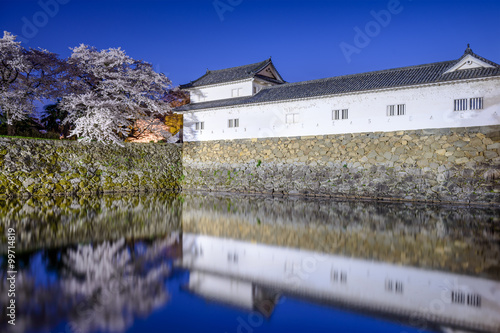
(30, 167)
(440, 165)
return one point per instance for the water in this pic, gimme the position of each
(201, 262)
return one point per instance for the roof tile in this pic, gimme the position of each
(227, 75)
(390, 78)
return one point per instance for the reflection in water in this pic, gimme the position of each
(234, 272)
(458, 239)
(224, 288)
(96, 288)
(110, 287)
(46, 222)
(98, 263)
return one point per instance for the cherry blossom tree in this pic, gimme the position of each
(114, 92)
(27, 76)
(12, 103)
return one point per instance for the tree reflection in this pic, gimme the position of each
(113, 283)
(99, 287)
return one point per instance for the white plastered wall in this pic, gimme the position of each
(221, 91)
(428, 106)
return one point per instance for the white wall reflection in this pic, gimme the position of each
(228, 270)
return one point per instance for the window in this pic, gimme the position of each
(401, 109)
(460, 104)
(236, 92)
(397, 109)
(399, 287)
(390, 110)
(476, 103)
(338, 276)
(336, 114)
(233, 123)
(463, 104)
(292, 118)
(394, 286)
(459, 297)
(340, 114)
(199, 125)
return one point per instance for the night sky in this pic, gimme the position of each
(306, 39)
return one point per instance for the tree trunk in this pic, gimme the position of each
(11, 130)
(10, 125)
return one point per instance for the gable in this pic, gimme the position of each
(226, 75)
(469, 62)
(269, 72)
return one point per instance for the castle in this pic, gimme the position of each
(253, 101)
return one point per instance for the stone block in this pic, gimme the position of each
(490, 154)
(493, 146)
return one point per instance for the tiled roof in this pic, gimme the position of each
(390, 78)
(227, 75)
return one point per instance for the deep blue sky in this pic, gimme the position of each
(184, 38)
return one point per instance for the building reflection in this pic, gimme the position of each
(232, 291)
(463, 240)
(252, 276)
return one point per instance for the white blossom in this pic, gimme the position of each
(115, 91)
(13, 102)
(27, 76)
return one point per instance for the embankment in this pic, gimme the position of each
(438, 165)
(31, 167)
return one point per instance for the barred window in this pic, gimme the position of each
(340, 114)
(476, 103)
(460, 104)
(338, 276)
(401, 109)
(459, 297)
(394, 286)
(336, 114)
(292, 118)
(345, 113)
(233, 123)
(390, 110)
(199, 125)
(236, 92)
(397, 109)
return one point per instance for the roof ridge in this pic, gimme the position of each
(231, 68)
(288, 84)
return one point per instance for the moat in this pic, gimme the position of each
(209, 262)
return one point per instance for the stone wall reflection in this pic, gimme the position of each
(45, 222)
(99, 287)
(452, 238)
